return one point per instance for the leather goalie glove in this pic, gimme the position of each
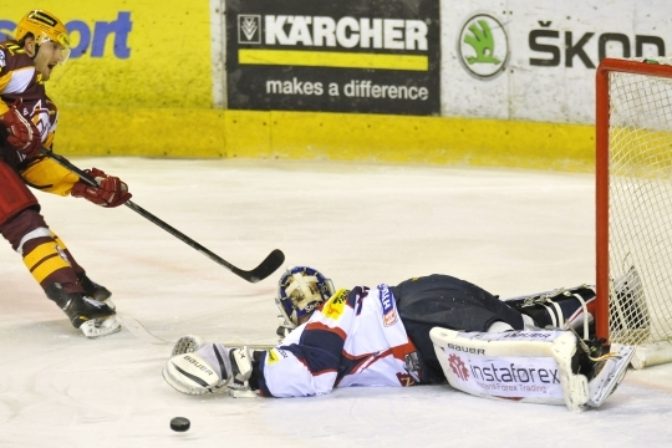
(110, 192)
(209, 369)
(22, 134)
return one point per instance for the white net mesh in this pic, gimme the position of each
(640, 208)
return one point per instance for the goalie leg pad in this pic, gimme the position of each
(530, 366)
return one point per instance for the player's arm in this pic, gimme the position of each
(244, 371)
(48, 175)
(297, 368)
(302, 366)
(20, 132)
(305, 364)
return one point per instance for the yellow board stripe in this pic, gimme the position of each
(48, 267)
(333, 59)
(445, 141)
(41, 252)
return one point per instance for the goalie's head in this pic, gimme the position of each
(300, 291)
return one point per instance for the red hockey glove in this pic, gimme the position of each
(110, 192)
(22, 134)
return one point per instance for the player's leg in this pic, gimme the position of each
(562, 308)
(24, 228)
(92, 317)
(91, 288)
(449, 302)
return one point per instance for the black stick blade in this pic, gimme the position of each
(270, 264)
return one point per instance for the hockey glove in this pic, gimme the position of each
(22, 134)
(110, 192)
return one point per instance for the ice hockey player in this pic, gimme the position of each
(425, 330)
(28, 121)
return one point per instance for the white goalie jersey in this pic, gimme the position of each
(356, 339)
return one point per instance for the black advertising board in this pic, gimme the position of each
(371, 56)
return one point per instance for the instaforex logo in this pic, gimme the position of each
(513, 373)
(355, 42)
(483, 46)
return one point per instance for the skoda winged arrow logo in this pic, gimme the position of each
(483, 46)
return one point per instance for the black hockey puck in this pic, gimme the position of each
(180, 424)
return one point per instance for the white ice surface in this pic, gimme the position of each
(512, 232)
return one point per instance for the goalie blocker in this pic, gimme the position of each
(552, 367)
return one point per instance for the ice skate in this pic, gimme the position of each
(609, 373)
(603, 365)
(92, 317)
(94, 290)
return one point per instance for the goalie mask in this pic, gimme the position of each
(301, 290)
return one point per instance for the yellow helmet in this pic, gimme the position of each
(44, 26)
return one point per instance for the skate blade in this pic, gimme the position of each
(104, 326)
(109, 303)
(612, 373)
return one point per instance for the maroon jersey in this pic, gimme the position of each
(21, 84)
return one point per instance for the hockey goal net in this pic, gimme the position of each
(634, 206)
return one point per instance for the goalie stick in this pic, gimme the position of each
(269, 265)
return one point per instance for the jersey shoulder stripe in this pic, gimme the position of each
(17, 81)
(17, 70)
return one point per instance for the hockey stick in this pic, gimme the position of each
(272, 261)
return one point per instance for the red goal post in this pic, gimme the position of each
(634, 206)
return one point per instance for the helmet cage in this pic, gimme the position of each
(295, 304)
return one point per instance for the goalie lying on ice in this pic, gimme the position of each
(425, 330)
